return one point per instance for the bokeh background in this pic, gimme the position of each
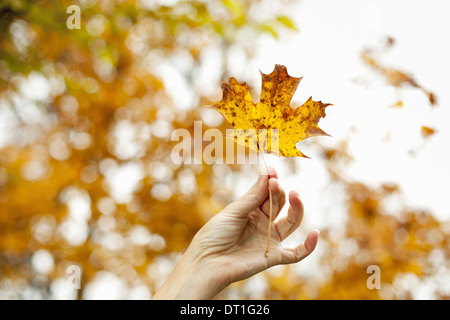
(86, 117)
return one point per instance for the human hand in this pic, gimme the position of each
(231, 246)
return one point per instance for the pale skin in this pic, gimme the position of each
(231, 245)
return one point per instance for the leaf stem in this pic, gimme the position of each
(266, 253)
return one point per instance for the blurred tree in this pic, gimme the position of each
(86, 177)
(395, 77)
(85, 170)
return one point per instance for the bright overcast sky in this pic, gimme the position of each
(326, 53)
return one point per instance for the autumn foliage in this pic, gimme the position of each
(85, 172)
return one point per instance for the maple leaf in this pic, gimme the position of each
(273, 111)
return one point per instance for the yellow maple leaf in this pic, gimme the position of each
(271, 125)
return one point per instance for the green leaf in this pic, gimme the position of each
(268, 29)
(287, 22)
(234, 6)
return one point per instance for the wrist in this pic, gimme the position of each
(191, 279)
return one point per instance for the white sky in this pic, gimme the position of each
(326, 53)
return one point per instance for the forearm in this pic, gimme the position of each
(190, 280)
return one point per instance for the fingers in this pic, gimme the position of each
(278, 199)
(302, 250)
(294, 217)
(254, 197)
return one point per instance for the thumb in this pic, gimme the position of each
(255, 196)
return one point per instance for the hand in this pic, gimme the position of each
(231, 246)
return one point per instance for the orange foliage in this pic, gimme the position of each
(85, 169)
